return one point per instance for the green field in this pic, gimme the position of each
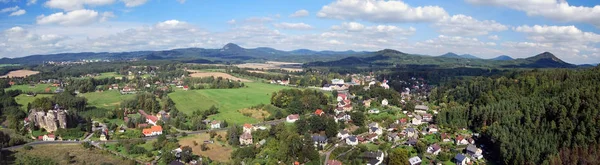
(23, 99)
(107, 99)
(5, 65)
(35, 88)
(227, 100)
(108, 75)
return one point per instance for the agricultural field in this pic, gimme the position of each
(107, 99)
(229, 101)
(218, 151)
(200, 73)
(294, 67)
(35, 88)
(78, 154)
(108, 75)
(20, 73)
(23, 99)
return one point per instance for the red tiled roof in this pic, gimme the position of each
(157, 128)
(319, 112)
(333, 162)
(153, 118)
(247, 125)
(51, 135)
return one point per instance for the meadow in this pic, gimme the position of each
(23, 99)
(229, 101)
(218, 151)
(36, 88)
(108, 75)
(107, 99)
(78, 154)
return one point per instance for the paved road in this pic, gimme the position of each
(328, 152)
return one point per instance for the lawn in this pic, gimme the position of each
(23, 99)
(229, 101)
(108, 75)
(79, 154)
(36, 88)
(107, 99)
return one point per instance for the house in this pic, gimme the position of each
(460, 140)
(421, 108)
(417, 120)
(434, 149)
(247, 128)
(215, 124)
(367, 103)
(392, 137)
(371, 137)
(461, 159)
(333, 162)
(373, 124)
(411, 142)
(373, 158)
(246, 138)
(149, 118)
(352, 140)
(445, 137)
(373, 111)
(153, 131)
(49, 137)
(343, 134)
(319, 112)
(292, 118)
(431, 129)
(375, 130)
(104, 135)
(342, 117)
(177, 152)
(320, 141)
(402, 121)
(411, 132)
(470, 140)
(341, 97)
(384, 102)
(427, 117)
(337, 81)
(414, 160)
(347, 105)
(474, 152)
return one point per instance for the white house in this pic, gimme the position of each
(292, 118)
(49, 137)
(375, 130)
(374, 158)
(215, 124)
(337, 81)
(474, 151)
(417, 120)
(352, 140)
(461, 159)
(414, 160)
(247, 128)
(434, 149)
(343, 134)
(342, 117)
(320, 141)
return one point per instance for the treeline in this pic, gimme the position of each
(212, 83)
(145, 101)
(378, 93)
(89, 84)
(65, 100)
(527, 117)
(298, 101)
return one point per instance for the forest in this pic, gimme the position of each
(528, 117)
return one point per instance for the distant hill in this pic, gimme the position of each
(543, 60)
(502, 58)
(454, 55)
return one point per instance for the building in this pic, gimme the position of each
(352, 140)
(373, 111)
(333, 162)
(341, 97)
(392, 137)
(460, 140)
(104, 135)
(342, 117)
(431, 129)
(474, 152)
(49, 137)
(246, 138)
(427, 117)
(417, 120)
(384, 102)
(292, 118)
(337, 81)
(445, 137)
(247, 128)
(149, 118)
(375, 130)
(373, 158)
(343, 134)
(414, 160)
(421, 107)
(319, 112)
(434, 149)
(152, 131)
(461, 159)
(320, 141)
(215, 124)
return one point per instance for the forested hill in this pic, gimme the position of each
(533, 117)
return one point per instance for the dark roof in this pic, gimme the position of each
(343, 132)
(436, 147)
(319, 138)
(372, 154)
(352, 138)
(373, 129)
(460, 157)
(411, 141)
(175, 162)
(471, 148)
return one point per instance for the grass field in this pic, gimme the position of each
(218, 151)
(106, 99)
(23, 99)
(229, 101)
(108, 75)
(36, 88)
(79, 154)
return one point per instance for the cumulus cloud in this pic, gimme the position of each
(18, 12)
(9, 9)
(559, 10)
(557, 34)
(134, 3)
(16, 40)
(381, 11)
(31, 2)
(300, 13)
(293, 26)
(493, 37)
(74, 18)
(231, 22)
(70, 5)
(467, 25)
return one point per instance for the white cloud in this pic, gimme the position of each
(17, 40)
(134, 3)
(493, 37)
(106, 16)
(9, 9)
(558, 34)
(300, 13)
(18, 13)
(231, 22)
(381, 11)
(294, 26)
(467, 26)
(70, 5)
(72, 18)
(31, 2)
(558, 10)
(181, 1)
(350, 26)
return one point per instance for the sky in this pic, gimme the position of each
(484, 28)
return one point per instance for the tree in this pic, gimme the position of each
(186, 154)
(398, 156)
(358, 118)
(233, 136)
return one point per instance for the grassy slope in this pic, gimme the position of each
(106, 99)
(227, 100)
(23, 99)
(108, 75)
(37, 88)
(77, 152)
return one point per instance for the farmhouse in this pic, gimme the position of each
(248, 128)
(153, 131)
(215, 124)
(292, 118)
(246, 139)
(149, 118)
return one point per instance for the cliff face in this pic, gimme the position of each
(50, 121)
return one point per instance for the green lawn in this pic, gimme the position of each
(23, 99)
(107, 99)
(108, 75)
(227, 100)
(36, 88)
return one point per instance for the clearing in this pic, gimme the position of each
(258, 114)
(106, 99)
(229, 101)
(78, 154)
(20, 73)
(37, 88)
(294, 67)
(23, 99)
(198, 73)
(218, 151)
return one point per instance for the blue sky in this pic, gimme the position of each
(485, 28)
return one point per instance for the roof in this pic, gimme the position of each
(373, 129)
(373, 124)
(175, 162)
(372, 154)
(319, 112)
(51, 135)
(333, 162)
(459, 138)
(215, 122)
(352, 138)
(403, 120)
(247, 125)
(421, 107)
(319, 138)
(436, 147)
(152, 118)
(414, 160)
(472, 148)
(147, 131)
(246, 135)
(157, 128)
(293, 116)
(341, 115)
(460, 157)
(444, 135)
(343, 132)
(411, 141)
(370, 136)
(410, 129)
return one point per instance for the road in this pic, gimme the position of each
(328, 152)
(144, 138)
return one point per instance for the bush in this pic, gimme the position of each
(27, 147)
